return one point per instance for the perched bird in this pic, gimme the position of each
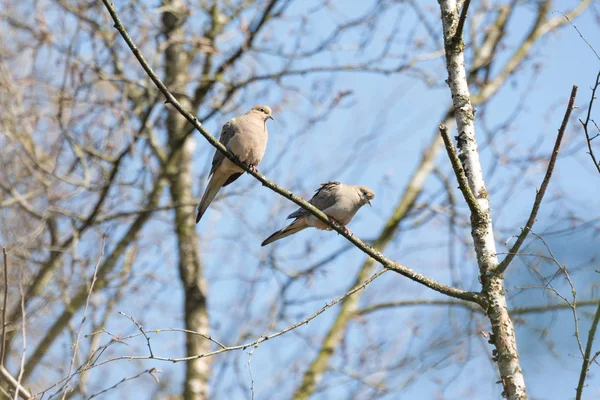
(246, 138)
(339, 201)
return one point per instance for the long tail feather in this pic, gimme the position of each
(214, 185)
(292, 228)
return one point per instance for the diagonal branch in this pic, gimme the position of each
(461, 21)
(542, 191)
(367, 249)
(14, 383)
(459, 171)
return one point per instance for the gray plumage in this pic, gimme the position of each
(246, 138)
(339, 201)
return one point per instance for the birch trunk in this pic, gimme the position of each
(503, 336)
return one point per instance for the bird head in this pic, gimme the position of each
(366, 194)
(263, 111)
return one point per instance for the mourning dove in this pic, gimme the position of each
(339, 201)
(246, 138)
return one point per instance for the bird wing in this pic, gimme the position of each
(324, 197)
(227, 132)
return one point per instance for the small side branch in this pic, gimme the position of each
(84, 317)
(151, 372)
(542, 191)
(461, 21)
(463, 184)
(585, 365)
(4, 305)
(5, 375)
(141, 329)
(588, 119)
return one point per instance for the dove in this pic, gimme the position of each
(338, 201)
(246, 138)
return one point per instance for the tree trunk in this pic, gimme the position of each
(503, 334)
(191, 270)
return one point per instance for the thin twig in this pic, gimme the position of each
(463, 184)
(367, 249)
(141, 329)
(24, 332)
(205, 336)
(4, 304)
(581, 35)
(150, 371)
(542, 191)
(472, 307)
(83, 318)
(585, 365)
(548, 286)
(250, 370)
(587, 121)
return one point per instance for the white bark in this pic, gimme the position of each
(503, 337)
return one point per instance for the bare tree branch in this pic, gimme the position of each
(83, 318)
(585, 365)
(542, 190)
(24, 333)
(585, 124)
(14, 384)
(4, 305)
(472, 307)
(150, 372)
(459, 171)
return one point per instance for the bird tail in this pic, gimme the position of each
(292, 228)
(214, 185)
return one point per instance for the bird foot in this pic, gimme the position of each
(335, 222)
(253, 168)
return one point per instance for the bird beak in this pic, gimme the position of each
(369, 201)
(271, 118)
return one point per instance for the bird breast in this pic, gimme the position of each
(346, 205)
(250, 143)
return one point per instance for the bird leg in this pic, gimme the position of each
(335, 222)
(253, 168)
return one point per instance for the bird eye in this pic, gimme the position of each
(262, 109)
